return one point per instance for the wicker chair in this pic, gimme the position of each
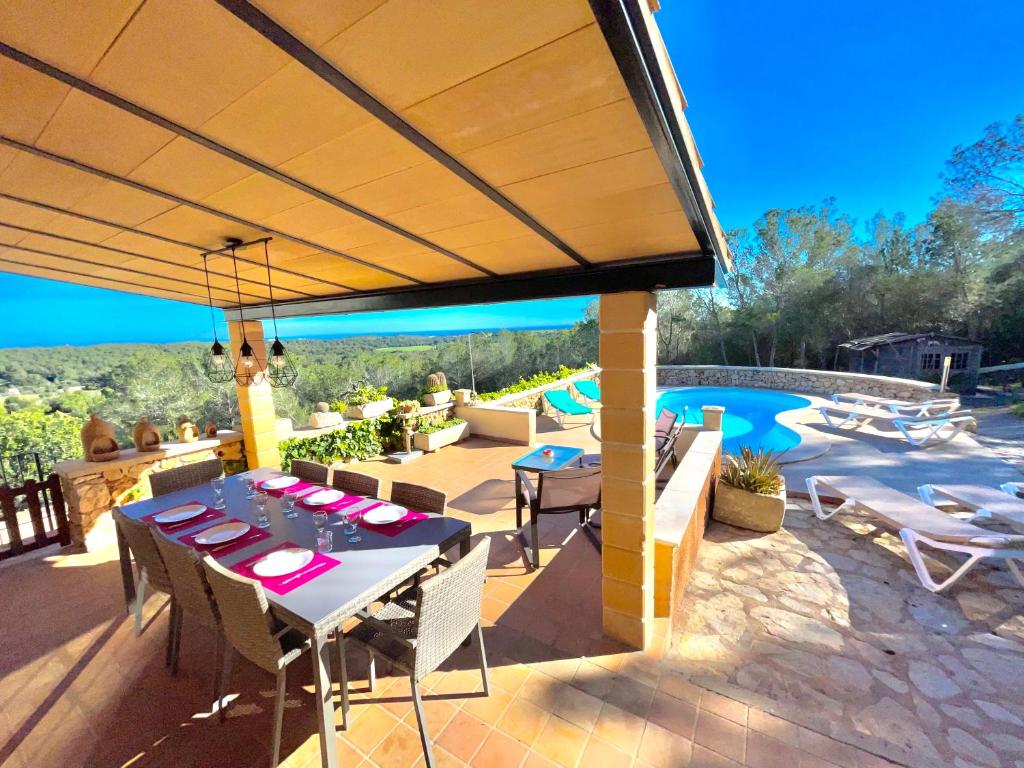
(309, 471)
(445, 611)
(187, 476)
(356, 483)
(566, 490)
(252, 631)
(193, 595)
(152, 572)
(418, 497)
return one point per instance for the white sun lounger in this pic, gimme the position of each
(934, 407)
(918, 523)
(939, 429)
(1014, 489)
(983, 501)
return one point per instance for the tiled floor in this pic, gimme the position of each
(77, 688)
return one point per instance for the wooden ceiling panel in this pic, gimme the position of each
(6, 156)
(186, 59)
(50, 244)
(24, 215)
(520, 254)
(327, 267)
(446, 213)
(309, 219)
(27, 100)
(420, 185)
(570, 75)
(9, 236)
(257, 197)
(71, 35)
(415, 260)
(189, 170)
(291, 112)
(81, 229)
(431, 47)
(132, 241)
(628, 238)
(133, 207)
(317, 21)
(192, 226)
(34, 178)
(66, 277)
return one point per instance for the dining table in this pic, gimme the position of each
(381, 561)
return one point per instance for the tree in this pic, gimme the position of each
(988, 176)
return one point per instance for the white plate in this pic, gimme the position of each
(180, 514)
(283, 561)
(382, 515)
(218, 534)
(325, 496)
(276, 483)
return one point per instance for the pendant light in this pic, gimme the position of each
(217, 366)
(247, 368)
(281, 371)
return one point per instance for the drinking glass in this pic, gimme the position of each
(352, 527)
(319, 520)
(217, 484)
(324, 540)
(250, 487)
(288, 505)
(260, 502)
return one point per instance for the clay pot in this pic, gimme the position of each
(145, 436)
(98, 440)
(210, 430)
(187, 431)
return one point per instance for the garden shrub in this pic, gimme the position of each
(537, 380)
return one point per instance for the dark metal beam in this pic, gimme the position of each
(162, 238)
(624, 29)
(683, 270)
(79, 166)
(141, 112)
(318, 65)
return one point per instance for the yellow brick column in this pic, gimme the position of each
(628, 355)
(256, 402)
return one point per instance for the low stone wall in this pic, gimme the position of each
(793, 380)
(92, 488)
(533, 398)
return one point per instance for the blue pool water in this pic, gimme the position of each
(749, 414)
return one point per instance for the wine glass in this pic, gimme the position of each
(260, 502)
(289, 500)
(319, 520)
(352, 527)
(324, 540)
(250, 487)
(217, 484)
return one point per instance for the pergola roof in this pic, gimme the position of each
(400, 153)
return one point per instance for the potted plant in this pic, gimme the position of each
(752, 492)
(369, 402)
(437, 392)
(431, 437)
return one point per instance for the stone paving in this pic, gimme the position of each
(825, 623)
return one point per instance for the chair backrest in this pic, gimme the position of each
(143, 546)
(244, 615)
(418, 497)
(666, 450)
(309, 471)
(666, 420)
(356, 483)
(448, 608)
(185, 570)
(186, 476)
(569, 488)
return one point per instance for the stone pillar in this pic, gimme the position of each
(256, 402)
(628, 356)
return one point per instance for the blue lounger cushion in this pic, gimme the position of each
(561, 400)
(588, 389)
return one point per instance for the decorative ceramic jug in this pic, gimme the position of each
(98, 440)
(146, 436)
(210, 430)
(187, 431)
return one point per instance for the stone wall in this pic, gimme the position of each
(92, 488)
(533, 398)
(793, 380)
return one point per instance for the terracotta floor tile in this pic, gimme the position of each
(561, 741)
(537, 760)
(459, 682)
(488, 708)
(463, 736)
(523, 721)
(504, 592)
(373, 724)
(630, 695)
(663, 748)
(766, 752)
(619, 728)
(400, 749)
(595, 680)
(679, 687)
(538, 689)
(868, 760)
(576, 706)
(601, 754)
(773, 726)
(510, 676)
(673, 714)
(725, 707)
(492, 609)
(807, 760)
(562, 670)
(499, 751)
(834, 751)
(705, 758)
(438, 713)
(720, 735)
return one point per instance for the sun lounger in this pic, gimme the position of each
(983, 501)
(663, 426)
(563, 405)
(589, 390)
(1014, 489)
(918, 523)
(939, 429)
(934, 407)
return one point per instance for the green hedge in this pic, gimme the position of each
(537, 380)
(361, 440)
(429, 429)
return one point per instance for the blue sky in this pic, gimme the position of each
(790, 102)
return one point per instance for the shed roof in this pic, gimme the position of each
(888, 339)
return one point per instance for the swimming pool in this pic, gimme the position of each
(749, 418)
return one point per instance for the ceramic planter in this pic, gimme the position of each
(371, 410)
(441, 438)
(754, 511)
(438, 398)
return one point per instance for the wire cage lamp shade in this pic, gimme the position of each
(217, 365)
(281, 370)
(247, 369)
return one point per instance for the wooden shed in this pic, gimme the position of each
(916, 356)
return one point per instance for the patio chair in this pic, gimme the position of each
(418, 497)
(563, 405)
(253, 632)
(664, 425)
(558, 493)
(152, 572)
(310, 471)
(985, 502)
(916, 430)
(933, 407)
(356, 483)
(186, 476)
(918, 523)
(193, 595)
(445, 612)
(666, 452)
(589, 390)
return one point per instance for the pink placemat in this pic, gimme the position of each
(205, 517)
(250, 537)
(298, 487)
(334, 506)
(282, 585)
(410, 519)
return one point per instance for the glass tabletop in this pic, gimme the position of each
(560, 457)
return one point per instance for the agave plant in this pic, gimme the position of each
(754, 472)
